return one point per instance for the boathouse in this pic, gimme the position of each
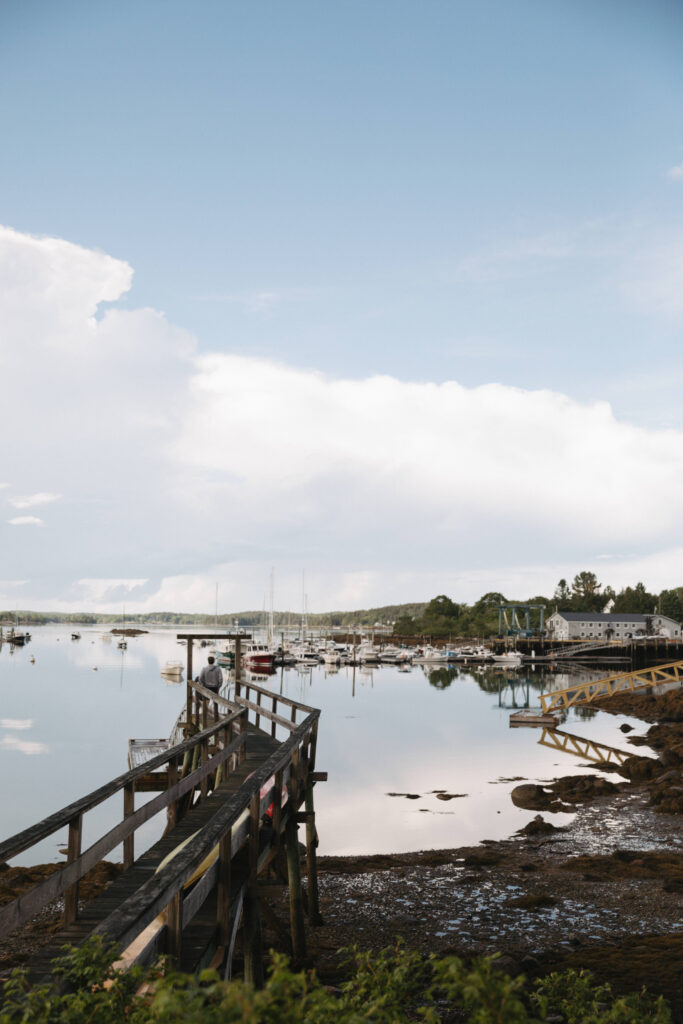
(609, 626)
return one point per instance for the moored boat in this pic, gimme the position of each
(508, 658)
(259, 655)
(173, 669)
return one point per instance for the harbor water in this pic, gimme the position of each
(418, 758)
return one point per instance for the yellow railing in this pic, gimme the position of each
(623, 682)
(567, 743)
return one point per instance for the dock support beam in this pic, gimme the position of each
(73, 851)
(188, 680)
(296, 903)
(253, 941)
(312, 861)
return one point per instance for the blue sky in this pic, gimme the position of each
(481, 193)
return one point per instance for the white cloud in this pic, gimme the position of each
(16, 723)
(93, 592)
(675, 173)
(419, 456)
(183, 470)
(25, 521)
(29, 747)
(29, 501)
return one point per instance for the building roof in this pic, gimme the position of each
(607, 616)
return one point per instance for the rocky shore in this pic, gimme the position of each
(602, 893)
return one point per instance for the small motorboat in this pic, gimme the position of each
(75, 636)
(173, 669)
(508, 658)
(533, 717)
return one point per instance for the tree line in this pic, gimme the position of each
(445, 617)
(439, 617)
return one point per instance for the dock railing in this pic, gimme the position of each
(188, 766)
(184, 774)
(238, 821)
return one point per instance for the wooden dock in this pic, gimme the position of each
(233, 793)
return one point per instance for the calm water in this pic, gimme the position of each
(64, 730)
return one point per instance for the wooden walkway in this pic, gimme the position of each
(232, 794)
(622, 682)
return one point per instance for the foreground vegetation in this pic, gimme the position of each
(391, 987)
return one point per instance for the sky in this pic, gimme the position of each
(388, 294)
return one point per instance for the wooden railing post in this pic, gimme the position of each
(223, 897)
(296, 910)
(203, 758)
(174, 925)
(238, 665)
(312, 860)
(277, 809)
(188, 702)
(273, 725)
(128, 809)
(172, 809)
(73, 851)
(253, 944)
(258, 714)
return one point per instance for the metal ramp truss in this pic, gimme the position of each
(623, 682)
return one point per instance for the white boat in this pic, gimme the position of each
(471, 652)
(260, 656)
(173, 668)
(393, 655)
(367, 653)
(508, 658)
(432, 655)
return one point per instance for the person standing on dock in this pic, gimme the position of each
(211, 676)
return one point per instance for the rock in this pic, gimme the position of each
(484, 859)
(638, 769)
(538, 827)
(531, 797)
(532, 901)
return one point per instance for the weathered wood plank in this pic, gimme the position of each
(141, 908)
(23, 840)
(14, 914)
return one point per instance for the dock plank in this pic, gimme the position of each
(259, 747)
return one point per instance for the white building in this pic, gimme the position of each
(607, 626)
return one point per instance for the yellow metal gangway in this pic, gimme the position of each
(591, 750)
(622, 682)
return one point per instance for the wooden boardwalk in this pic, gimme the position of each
(232, 794)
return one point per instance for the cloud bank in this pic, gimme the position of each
(177, 468)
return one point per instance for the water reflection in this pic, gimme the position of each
(441, 678)
(382, 730)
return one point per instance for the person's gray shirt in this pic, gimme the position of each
(211, 677)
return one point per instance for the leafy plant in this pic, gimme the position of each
(394, 986)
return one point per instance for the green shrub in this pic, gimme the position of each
(390, 987)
